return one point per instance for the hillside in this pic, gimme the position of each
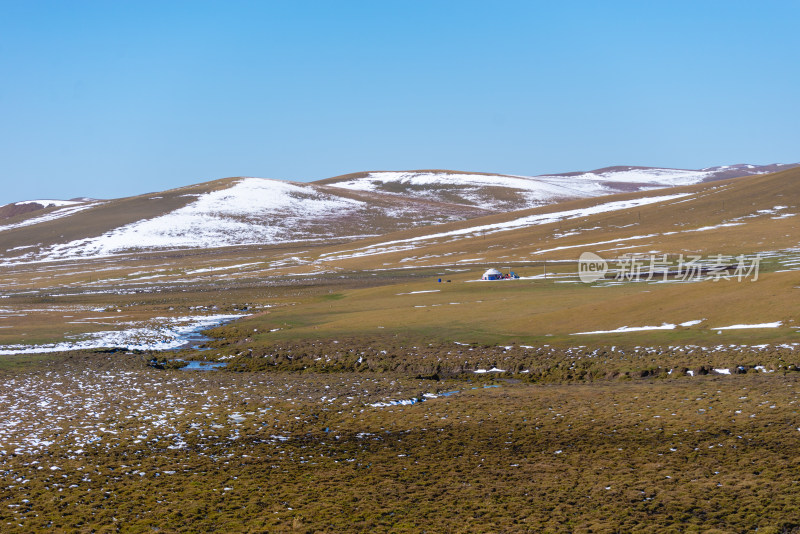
(222, 213)
(743, 215)
(254, 211)
(720, 223)
(499, 192)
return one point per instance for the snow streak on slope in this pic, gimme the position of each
(522, 222)
(53, 215)
(637, 175)
(253, 210)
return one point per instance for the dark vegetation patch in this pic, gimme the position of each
(543, 364)
(662, 455)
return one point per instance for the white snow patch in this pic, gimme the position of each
(252, 211)
(224, 268)
(665, 326)
(163, 333)
(50, 203)
(405, 402)
(723, 225)
(776, 324)
(652, 176)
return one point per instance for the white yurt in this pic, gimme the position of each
(492, 274)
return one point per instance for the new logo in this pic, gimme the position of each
(591, 267)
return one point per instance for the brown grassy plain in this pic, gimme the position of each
(619, 432)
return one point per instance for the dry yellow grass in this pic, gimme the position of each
(545, 311)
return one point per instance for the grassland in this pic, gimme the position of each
(360, 394)
(299, 433)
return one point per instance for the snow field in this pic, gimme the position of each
(252, 211)
(160, 333)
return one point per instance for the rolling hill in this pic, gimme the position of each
(510, 193)
(253, 211)
(743, 215)
(227, 212)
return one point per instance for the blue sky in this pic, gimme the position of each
(115, 98)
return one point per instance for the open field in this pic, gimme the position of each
(558, 311)
(355, 392)
(305, 430)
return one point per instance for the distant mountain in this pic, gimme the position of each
(494, 192)
(745, 169)
(499, 192)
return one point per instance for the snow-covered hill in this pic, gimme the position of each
(252, 211)
(637, 178)
(257, 211)
(487, 191)
(498, 192)
(243, 211)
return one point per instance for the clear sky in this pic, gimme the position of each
(114, 98)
